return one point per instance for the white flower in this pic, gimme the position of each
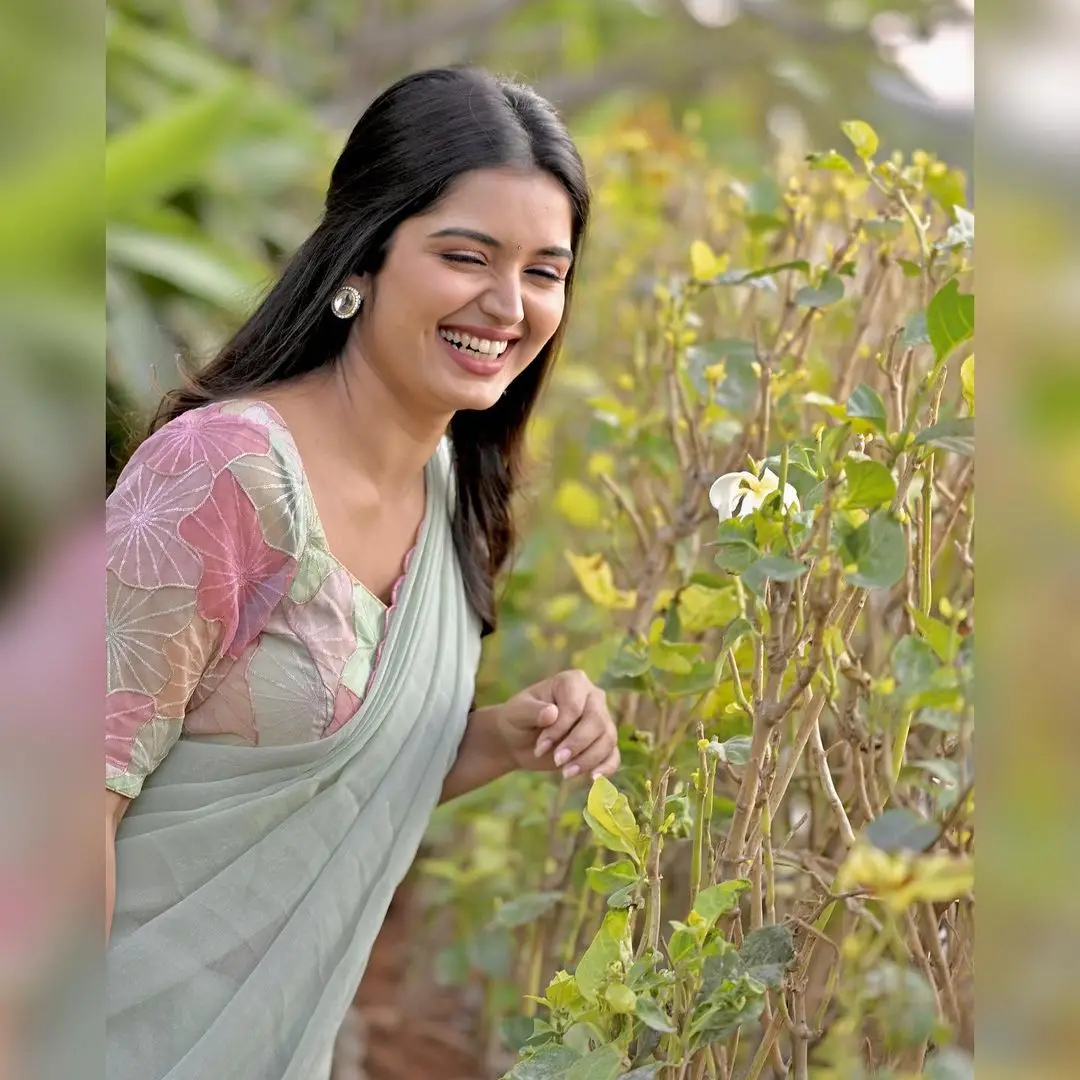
(743, 490)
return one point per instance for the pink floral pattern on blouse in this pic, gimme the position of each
(227, 616)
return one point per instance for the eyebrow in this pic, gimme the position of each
(490, 241)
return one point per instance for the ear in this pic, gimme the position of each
(360, 282)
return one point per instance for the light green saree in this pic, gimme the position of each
(252, 881)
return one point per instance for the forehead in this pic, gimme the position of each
(531, 208)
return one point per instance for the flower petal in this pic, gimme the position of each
(726, 491)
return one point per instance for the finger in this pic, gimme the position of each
(608, 766)
(526, 712)
(571, 690)
(592, 757)
(594, 724)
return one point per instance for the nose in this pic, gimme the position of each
(502, 302)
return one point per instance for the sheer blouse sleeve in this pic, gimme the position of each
(204, 531)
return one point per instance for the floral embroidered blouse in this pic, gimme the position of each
(227, 617)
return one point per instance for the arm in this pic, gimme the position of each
(481, 756)
(560, 723)
(115, 807)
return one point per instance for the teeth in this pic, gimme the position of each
(483, 346)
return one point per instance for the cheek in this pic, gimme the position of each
(546, 315)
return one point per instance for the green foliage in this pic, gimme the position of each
(732, 649)
(792, 686)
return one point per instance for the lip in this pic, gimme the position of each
(475, 365)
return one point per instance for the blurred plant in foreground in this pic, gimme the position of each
(782, 878)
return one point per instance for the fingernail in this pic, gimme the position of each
(561, 756)
(570, 770)
(596, 774)
(542, 747)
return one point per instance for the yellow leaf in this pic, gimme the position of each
(967, 381)
(559, 608)
(601, 464)
(702, 261)
(578, 504)
(665, 657)
(702, 608)
(610, 809)
(903, 879)
(597, 582)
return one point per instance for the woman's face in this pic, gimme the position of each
(470, 291)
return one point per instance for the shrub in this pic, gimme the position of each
(782, 871)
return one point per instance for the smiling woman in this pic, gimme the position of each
(301, 565)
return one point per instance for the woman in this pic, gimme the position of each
(302, 559)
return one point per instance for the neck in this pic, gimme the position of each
(370, 427)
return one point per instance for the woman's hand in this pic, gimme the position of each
(560, 723)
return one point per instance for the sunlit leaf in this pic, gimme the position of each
(950, 318)
(862, 136)
(610, 809)
(610, 944)
(869, 485)
(718, 900)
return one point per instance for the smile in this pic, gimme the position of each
(478, 346)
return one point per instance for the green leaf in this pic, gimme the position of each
(516, 1031)
(880, 553)
(681, 944)
(911, 269)
(675, 658)
(943, 638)
(626, 897)
(767, 953)
(914, 664)
(915, 332)
(734, 633)
(718, 900)
(610, 944)
(525, 908)
(620, 997)
(950, 1063)
(950, 318)
(604, 1063)
(550, 1062)
(863, 137)
(652, 1015)
(610, 809)
(901, 830)
(171, 148)
(830, 161)
(865, 404)
(737, 749)
(869, 485)
(772, 568)
(616, 875)
(828, 292)
(643, 1072)
(903, 1004)
(957, 435)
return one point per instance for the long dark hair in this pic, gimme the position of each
(412, 142)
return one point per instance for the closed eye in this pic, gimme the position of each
(548, 275)
(458, 257)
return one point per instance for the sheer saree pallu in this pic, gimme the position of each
(252, 880)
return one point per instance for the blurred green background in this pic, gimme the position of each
(223, 119)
